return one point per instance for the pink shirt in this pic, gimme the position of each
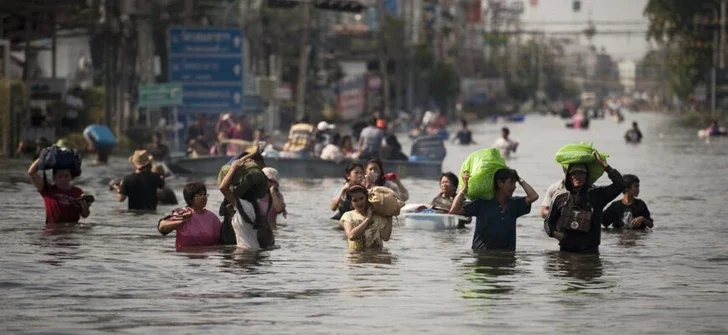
(199, 230)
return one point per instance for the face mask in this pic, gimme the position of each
(373, 175)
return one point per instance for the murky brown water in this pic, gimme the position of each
(115, 273)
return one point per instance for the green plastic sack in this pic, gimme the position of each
(482, 166)
(581, 153)
(248, 178)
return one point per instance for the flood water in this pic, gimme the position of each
(115, 273)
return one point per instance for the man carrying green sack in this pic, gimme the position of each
(574, 216)
(495, 228)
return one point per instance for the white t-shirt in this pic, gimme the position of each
(505, 146)
(332, 152)
(551, 193)
(245, 234)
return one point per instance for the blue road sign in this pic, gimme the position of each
(213, 97)
(206, 69)
(205, 41)
(208, 63)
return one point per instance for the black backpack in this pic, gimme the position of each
(574, 217)
(56, 158)
(262, 228)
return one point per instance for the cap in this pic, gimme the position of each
(323, 125)
(577, 168)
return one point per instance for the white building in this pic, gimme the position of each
(627, 74)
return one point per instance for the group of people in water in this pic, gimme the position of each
(573, 209)
(371, 139)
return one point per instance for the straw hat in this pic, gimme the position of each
(140, 159)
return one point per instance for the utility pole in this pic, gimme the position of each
(382, 16)
(713, 74)
(303, 62)
(721, 57)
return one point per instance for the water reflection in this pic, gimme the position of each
(61, 242)
(233, 256)
(382, 257)
(627, 238)
(488, 274)
(580, 271)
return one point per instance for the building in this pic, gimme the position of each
(627, 73)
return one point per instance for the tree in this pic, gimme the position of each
(686, 30)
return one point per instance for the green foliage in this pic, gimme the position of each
(684, 29)
(444, 83)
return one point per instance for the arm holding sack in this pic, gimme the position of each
(531, 195)
(352, 232)
(457, 203)
(609, 192)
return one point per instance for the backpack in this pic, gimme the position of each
(55, 158)
(574, 217)
(262, 228)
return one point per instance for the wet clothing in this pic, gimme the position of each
(227, 233)
(442, 204)
(165, 196)
(371, 239)
(199, 230)
(464, 137)
(505, 146)
(620, 215)
(551, 193)
(61, 206)
(371, 138)
(593, 198)
(495, 228)
(141, 190)
(633, 135)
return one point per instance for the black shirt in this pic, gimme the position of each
(620, 215)
(160, 152)
(633, 135)
(141, 189)
(464, 137)
(597, 197)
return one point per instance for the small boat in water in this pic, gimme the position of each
(432, 221)
(305, 167)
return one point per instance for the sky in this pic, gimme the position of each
(627, 47)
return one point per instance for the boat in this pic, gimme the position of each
(431, 221)
(705, 133)
(305, 167)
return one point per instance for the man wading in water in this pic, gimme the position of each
(575, 216)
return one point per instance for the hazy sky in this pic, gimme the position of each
(631, 46)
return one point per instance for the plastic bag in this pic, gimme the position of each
(384, 201)
(581, 153)
(55, 157)
(482, 166)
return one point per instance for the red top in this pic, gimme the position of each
(240, 134)
(61, 206)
